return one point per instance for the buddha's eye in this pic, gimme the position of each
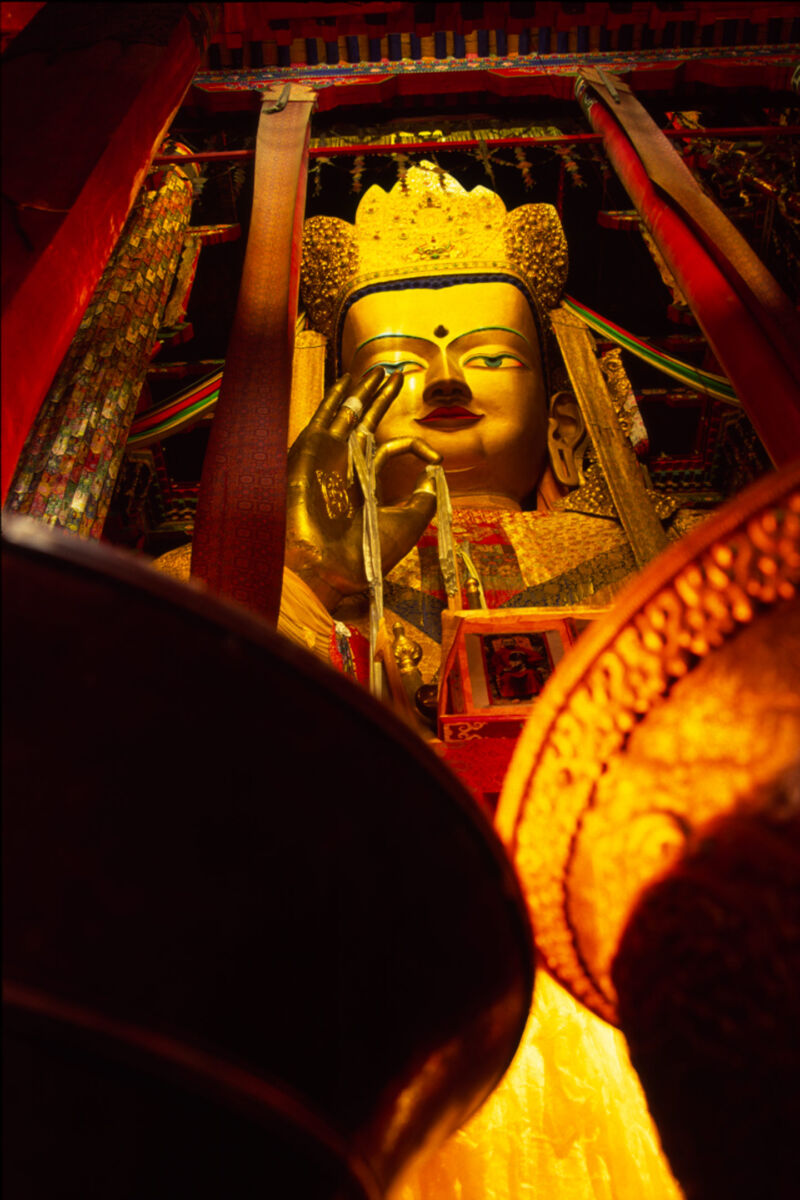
(493, 362)
(399, 368)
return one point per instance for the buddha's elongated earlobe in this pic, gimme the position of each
(567, 438)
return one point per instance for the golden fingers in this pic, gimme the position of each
(374, 391)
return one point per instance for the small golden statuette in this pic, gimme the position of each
(334, 493)
(407, 653)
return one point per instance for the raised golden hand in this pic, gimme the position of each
(324, 519)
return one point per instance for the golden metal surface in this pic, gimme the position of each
(400, 686)
(489, 366)
(308, 380)
(334, 494)
(428, 224)
(594, 495)
(669, 711)
(327, 551)
(478, 345)
(614, 451)
(470, 354)
(472, 590)
(619, 386)
(407, 653)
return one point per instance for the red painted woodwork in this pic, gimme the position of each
(79, 130)
(479, 734)
(738, 332)
(762, 132)
(374, 90)
(252, 21)
(13, 19)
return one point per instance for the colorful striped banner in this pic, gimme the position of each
(699, 381)
(177, 414)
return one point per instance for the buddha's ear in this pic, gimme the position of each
(566, 438)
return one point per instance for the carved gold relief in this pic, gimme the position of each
(334, 493)
(670, 711)
(429, 224)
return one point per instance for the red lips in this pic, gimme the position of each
(452, 412)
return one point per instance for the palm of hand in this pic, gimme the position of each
(324, 535)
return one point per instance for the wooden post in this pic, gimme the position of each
(614, 451)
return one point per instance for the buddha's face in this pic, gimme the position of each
(473, 384)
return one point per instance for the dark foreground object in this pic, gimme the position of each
(257, 940)
(708, 976)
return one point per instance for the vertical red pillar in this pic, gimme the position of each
(89, 91)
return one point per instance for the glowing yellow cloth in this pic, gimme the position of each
(303, 618)
(568, 1122)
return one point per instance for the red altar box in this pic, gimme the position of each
(496, 664)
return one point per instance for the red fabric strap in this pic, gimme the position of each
(241, 511)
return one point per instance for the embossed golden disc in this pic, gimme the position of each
(673, 709)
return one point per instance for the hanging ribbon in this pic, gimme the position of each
(444, 533)
(362, 455)
(692, 377)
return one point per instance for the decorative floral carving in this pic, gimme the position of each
(464, 731)
(428, 217)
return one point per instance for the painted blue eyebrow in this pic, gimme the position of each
(492, 328)
(418, 338)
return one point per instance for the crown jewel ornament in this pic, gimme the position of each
(429, 225)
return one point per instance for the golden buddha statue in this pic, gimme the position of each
(448, 294)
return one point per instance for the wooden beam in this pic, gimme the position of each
(615, 453)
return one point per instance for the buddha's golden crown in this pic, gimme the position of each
(428, 224)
